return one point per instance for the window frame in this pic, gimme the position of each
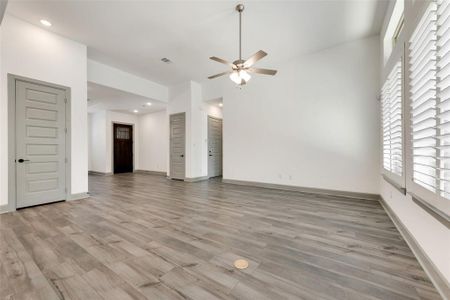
(398, 30)
(433, 201)
(397, 55)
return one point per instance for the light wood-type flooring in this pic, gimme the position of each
(145, 237)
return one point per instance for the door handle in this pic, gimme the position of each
(182, 155)
(210, 155)
(21, 160)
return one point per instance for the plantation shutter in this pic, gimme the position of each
(423, 94)
(391, 104)
(443, 97)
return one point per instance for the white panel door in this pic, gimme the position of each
(40, 144)
(214, 147)
(177, 145)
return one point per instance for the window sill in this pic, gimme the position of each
(394, 184)
(440, 211)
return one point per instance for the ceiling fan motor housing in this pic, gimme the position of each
(239, 64)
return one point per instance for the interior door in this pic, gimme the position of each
(177, 145)
(214, 147)
(123, 148)
(40, 144)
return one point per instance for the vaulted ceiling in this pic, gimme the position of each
(135, 35)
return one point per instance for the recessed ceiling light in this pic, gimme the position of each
(46, 23)
(148, 103)
(135, 111)
(221, 104)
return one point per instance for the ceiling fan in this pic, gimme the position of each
(240, 68)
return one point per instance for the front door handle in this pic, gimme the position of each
(21, 160)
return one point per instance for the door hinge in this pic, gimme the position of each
(66, 160)
(65, 130)
(65, 100)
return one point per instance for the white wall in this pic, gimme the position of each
(89, 122)
(118, 79)
(150, 136)
(198, 134)
(213, 110)
(315, 124)
(101, 139)
(97, 142)
(154, 141)
(187, 97)
(29, 51)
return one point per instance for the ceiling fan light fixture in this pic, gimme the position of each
(240, 77)
(244, 75)
(240, 68)
(235, 77)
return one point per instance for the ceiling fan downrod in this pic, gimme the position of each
(240, 9)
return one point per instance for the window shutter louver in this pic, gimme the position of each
(423, 94)
(386, 127)
(443, 97)
(391, 104)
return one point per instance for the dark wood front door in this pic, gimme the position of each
(123, 148)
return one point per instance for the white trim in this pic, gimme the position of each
(149, 172)
(196, 179)
(307, 190)
(4, 208)
(78, 196)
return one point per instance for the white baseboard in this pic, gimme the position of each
(78, 196)
(5, 208)
(440, 282)
(100, 173)
(196, 179)
(304, 189)
(160, 173)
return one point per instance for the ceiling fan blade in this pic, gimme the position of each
(218, 75)
(254, 58)
(222, 61)
(262, 71)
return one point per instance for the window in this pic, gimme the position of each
(423, 54)
(391, 105)
(394, 29)
(429, 85)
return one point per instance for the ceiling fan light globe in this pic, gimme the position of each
(244, 75)
(235, 77)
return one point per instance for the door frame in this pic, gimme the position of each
(207, 150)
(170, 146)
(11, 90)
(112, 143)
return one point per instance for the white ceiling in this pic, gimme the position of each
(135, 35)
(106, 98)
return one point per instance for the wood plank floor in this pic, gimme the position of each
(145, 237)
